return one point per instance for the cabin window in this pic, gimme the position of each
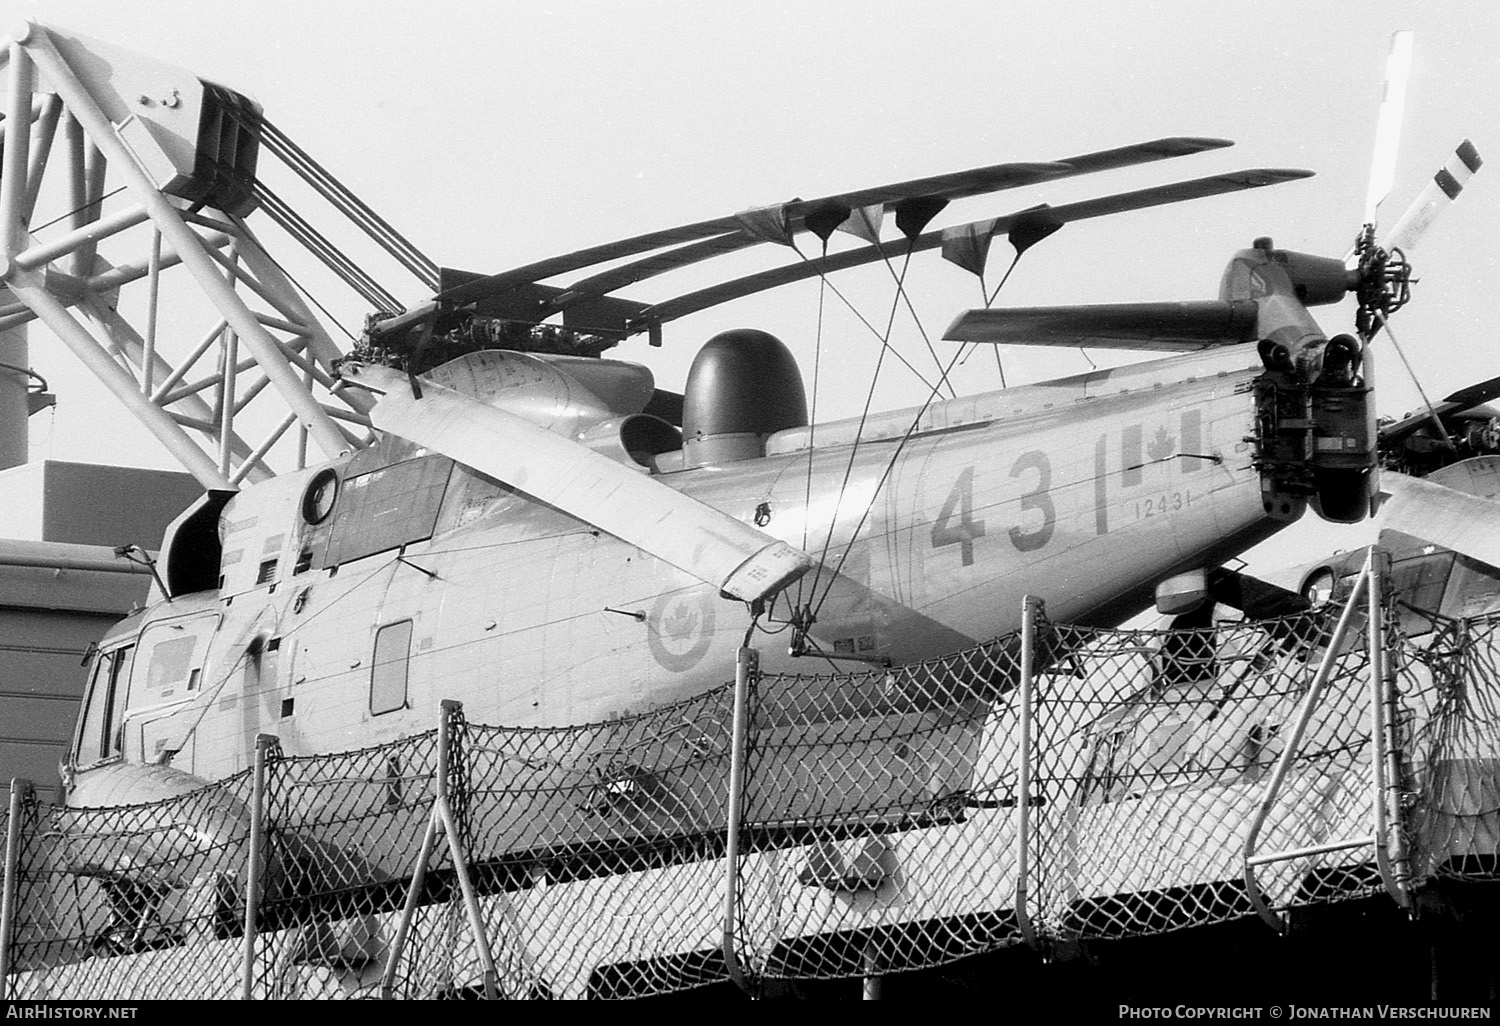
(99, 737)
(173, 658)
(388, 672)
(387, 508)
(170, 662)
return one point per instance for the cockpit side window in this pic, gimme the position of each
(99, 736)
(117, 696)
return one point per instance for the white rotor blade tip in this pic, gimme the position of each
(1438, 195)
(1388, 131)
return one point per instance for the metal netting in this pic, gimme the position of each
(1154, 752)
(875, 817)
(116, 901)
(343, 834)
(890, 820)
(1452, 751)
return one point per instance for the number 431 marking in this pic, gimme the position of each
(960, 501)
(960, 504)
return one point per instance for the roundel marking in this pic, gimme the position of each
(680, 629)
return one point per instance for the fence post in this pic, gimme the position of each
(255, 862)
(1251, 859)
(1029, 607)
(20, 790)
(872, 984)
(746, 669)
(442, 821)
(1388, 847)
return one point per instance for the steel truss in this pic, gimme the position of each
(133, 144)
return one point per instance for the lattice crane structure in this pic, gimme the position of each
(160, 167)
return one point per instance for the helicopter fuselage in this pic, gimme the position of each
(1085, 491)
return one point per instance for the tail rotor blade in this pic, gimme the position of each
(1388, 131)
(1434, 199)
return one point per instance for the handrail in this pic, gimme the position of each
(1388, 847)
(20, 789)
(746, 668)
(1368, 583)
(254, 862)
(1030, 605)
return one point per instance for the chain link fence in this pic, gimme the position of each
(889, 820)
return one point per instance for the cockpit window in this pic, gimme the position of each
(99, 736)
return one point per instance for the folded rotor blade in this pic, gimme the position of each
(742, 562)
(1139, 199)
(1388, 130)
(1473, 395)
(948, 187)
(1463, 399)
(1175, 327)
(956, 185)
(1434, 199)
(1447, 517)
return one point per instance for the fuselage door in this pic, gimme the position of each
(172, 671)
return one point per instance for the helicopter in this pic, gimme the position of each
(544, 534)
(652, 530)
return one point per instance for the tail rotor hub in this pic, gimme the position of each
(1384, 283)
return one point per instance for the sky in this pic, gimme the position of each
(493, 134)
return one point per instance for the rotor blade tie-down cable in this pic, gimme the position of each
(891, 463)
(812, 420)
(875, 493)
(902, 294)
(968, 347)
(832, 287)
(838, 505)
(989, 301)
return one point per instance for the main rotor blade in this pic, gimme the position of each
(1176, 192)
(949, 187)
(1173, 327)
(742, 562)
(726, 234)
(1448, 517)
(1463, 399)
(1388, 129)
(1434, 199)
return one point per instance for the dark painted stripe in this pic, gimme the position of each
(1451, 186)
(1130, 456)
(1101, 489)
(1192, 440)
(1469, 155)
